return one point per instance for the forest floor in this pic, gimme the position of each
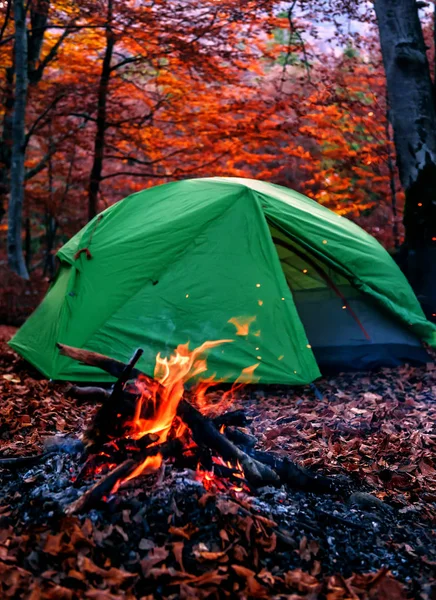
(172, 536)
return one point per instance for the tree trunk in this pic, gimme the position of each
(39, 10)
(391, 168)
(97, 166)
(6, 141)
(38, 17)
(15, 249)
(413, 117)
(6, 138)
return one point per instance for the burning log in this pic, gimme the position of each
(205, 433)
(118, 404)
(95, 493)
(114, 367)
(110, 420)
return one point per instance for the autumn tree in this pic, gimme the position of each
(411, 110)
(129, 85)
(26, 55)
(413, 116)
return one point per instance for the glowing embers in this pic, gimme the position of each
(223, 476)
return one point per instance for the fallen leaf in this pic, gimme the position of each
(187, 531)
(153, 558)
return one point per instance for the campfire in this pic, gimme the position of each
(143, 422)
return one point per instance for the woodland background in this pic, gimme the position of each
(126, 94)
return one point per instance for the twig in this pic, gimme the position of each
(20, 462)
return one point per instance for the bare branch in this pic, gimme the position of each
(36, 75)
(6, 21)
(38, 120)
(176, 173)
(43, 163)
(127, 61)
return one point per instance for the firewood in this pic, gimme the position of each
(260, 468)
(295, 476)
(110, 420)
(20, 462)
(240, 438)
(89, 393)
(237, 418)
(52, 446)
(204, 433)
(95, 493)
(105, 363)
(126, 373)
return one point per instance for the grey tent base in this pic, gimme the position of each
(340, 343)
(372, 356)
(346, 329)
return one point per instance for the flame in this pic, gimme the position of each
(150, 464)
(161, 402)
(238, 472)
(156, 407)
(247, 376)
(210, 482)
(242, 324)
(172, 374)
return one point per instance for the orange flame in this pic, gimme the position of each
(156, 408)
(172, 373)
(150, 464)
(247, 376)
(242, 324)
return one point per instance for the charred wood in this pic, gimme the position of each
(206, 434)
(52, 446)
(240, 438)
(295, 476)
(100, 361)
(236, 418)
(90, 394)
(104, 486)
(114, 414)
(21, 462)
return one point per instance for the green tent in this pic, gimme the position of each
(295, 286)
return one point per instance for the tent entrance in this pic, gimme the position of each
(345, 328)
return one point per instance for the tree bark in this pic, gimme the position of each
(103, 88)
(14, 242)
(38, 20)
(413, 117)
(6, 141)
(6, 138)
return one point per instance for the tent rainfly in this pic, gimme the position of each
(298, 288)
